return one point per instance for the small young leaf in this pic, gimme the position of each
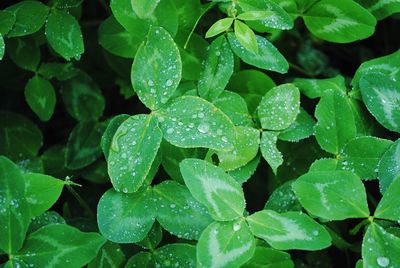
(340, 22)
(177, 209)
(380, 248)
(29, 17)
(83, 145)
(269, 150)
(40, 95)
(381, 95)
(389, 166)
(15, 213)
(126, 218)
(389, 206)
(190, 122)
(157, 69)
(220, 193)
(59, 71)
(289, 230)
(144, 8)
(225, 244)
(235, 107)
(246, 36)
(113, 125)
(219, 26)
(316, 88)
(178, 255)
(7, 20)
(59, 244)
(42, 191)
(362, 154)
(332, 195)
(64, 34)
(335, 121)
(301, 128)
(245, 149)
(20, 138)
(267, 58)
(133, 149)
(279, 107)
(283, 199)
(255, 15)
(110, 255)
(217, 69)
(324, 164)
(24, 53)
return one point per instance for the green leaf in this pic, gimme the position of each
(177, 255)
(7, 20)
(301, 128)
(389, 166)
(388, 65)
(20, 138)
(110, 255)
(66, 4)
(244, 173)
(381, 95)
(80, 91)
(113, 125)
(83, 145)
(42, 191)
(220, 193)
(217, 69)
(141, 259)
(64, 34)
(126, 218)
(2, 47)
(219, 26)
(118, 41)
(380, 248)
(332, 195)
(283, 199)
(381, 8)
(269, 257)
(267, 58)
(144, 8)
(316, 88)
(362, 154)
(340, 22)
(59, 71)
(153, 238)
(194, 122)
(133, 149)
(289, 230)
(245, 149)
(389, 206)
(225, 244)
(279, 107)
(324, 164)
(178, 212)
(269, 150)
(46, 218)
(251, 85)
(278, 18)
(255, 15)
(41, 97)
(124, 14)
(15, 214)
(157, 69)
(235, 107)
(246, 36)
(335, 121)
(29, 17)
(24, 53)
(59, 244)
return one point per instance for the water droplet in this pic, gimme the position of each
(150, 83)
(315, 232)
(203, 128)
(172, 206)
(168, 83)
(383, 261)
(201, 115)
(236, 227)
(125, 190)
(170, 130)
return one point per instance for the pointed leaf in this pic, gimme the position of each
(235, 107)
(389, 166)
(109, 133)
(215, 189)
(178, 255)
(301, 128)
(332, 195)
(316, 88)
(194, 122)
(389, 206)
(217, 69)
(110, 255)
(225, 244)
(219, 26)
(126, 218)
(255, 15)
(133, 149)
(269, 150)
(289, 230)
(279, 107)
(246, 36)
(157, 69)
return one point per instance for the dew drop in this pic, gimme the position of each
(383, 261)
(125, 190)
(150, 83)
(168, 83)
(236, 227)
(203, 128)
(172, 206)
(170, 130)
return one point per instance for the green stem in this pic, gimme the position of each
(357, 228)
(81, 201)
(301, 70)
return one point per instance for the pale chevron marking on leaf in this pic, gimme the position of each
(222, 259)
(293, 231)
(321, 187)
(341, 20)
(393, 70)
(381, 4)
(210, 186)
(389, 101)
